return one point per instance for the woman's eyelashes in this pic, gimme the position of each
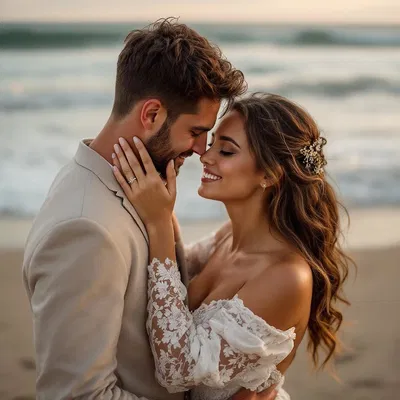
(222, 152)
(226, 153)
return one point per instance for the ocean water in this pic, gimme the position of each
(57, 82)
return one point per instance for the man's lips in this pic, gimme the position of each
(181, 158)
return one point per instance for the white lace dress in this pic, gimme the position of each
(216, 350)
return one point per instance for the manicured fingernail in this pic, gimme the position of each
(136, 140)
(117, 148)
(113, 155)
(115, 168)
(121, 141)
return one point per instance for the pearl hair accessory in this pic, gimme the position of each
(314, 160)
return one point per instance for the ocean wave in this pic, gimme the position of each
(317, 37)
(55, 101)
(37, 37)
(92, 98)
(308, 37)
(340, 88)
(59, 36)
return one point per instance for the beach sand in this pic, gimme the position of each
(368, 369)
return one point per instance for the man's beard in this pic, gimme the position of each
(160, 148)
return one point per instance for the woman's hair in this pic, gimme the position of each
(301, 204)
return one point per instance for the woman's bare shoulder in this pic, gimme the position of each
(280, 293)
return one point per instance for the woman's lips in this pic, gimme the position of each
(208, 176)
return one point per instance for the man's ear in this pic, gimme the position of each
(152, 116)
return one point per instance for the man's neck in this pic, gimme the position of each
(104, 142)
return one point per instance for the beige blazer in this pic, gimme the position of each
(85, 272)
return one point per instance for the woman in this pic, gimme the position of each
(273, 272)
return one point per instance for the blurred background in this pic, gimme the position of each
(340, 61)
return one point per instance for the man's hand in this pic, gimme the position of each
(268, 394)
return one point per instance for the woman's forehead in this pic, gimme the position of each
(232, 122)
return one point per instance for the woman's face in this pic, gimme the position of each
(230, 172)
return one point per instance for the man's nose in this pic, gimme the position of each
(200, 144)
(207, 158)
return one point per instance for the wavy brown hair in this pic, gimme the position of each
(301, 206)
(172, 62)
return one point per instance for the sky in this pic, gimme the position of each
(323, 11)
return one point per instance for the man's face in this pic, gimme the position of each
(187, 135)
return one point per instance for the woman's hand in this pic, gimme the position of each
(152, 198)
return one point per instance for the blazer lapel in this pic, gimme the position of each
(131, 210)
(89, 159)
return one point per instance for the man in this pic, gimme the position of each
(85, 264)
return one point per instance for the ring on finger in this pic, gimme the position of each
(131, 180)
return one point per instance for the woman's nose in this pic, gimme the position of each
(207, 158)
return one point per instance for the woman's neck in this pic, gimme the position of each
(251, 230)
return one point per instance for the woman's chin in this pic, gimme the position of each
(207, 193)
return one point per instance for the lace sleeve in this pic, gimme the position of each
(219, 343)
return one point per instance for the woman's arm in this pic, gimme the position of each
(228, 343)
(162, 241)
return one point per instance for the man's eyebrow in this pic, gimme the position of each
(201, 128)
(229, 139)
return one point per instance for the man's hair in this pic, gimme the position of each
(172, 62)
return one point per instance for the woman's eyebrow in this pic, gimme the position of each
(229, 139)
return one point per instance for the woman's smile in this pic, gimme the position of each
(209, 177)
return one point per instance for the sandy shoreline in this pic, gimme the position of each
(369, 369)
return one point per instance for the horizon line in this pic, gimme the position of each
(196, 21)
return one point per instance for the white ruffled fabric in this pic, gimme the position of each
(219, 348)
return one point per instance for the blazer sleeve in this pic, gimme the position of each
(76, 280)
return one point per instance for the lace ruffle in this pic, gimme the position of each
(220, 343)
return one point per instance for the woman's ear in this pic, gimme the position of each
(271, 178)
(267, 181)
(152, 116)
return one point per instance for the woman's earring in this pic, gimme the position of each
(264, 185)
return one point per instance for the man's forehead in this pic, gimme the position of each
(204, 117)
(202, 124)
(201, 121)
(207, 109)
